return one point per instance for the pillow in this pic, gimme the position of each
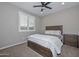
(53, 32)
(56, 33)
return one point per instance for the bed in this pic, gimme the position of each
(44, 51)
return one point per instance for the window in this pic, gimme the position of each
(26, 22)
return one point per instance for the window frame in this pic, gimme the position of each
(28, 15)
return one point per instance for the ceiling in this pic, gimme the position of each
(56, 6)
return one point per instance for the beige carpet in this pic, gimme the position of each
(69, 51)
(23, 51)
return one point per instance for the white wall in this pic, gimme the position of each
(9, 33)
(69, 18)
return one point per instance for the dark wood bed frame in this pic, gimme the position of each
(43, 50)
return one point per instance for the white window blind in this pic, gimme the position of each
(31, 23)
(26, 22)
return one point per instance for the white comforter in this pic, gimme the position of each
(51, 42)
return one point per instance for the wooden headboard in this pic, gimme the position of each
(58, 27)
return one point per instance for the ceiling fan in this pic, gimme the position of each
(43, 4)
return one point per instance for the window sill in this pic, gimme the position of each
(26, 30)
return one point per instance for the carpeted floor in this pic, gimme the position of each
(23, 51)
(69, 51)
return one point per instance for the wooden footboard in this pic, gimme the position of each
(40, 49)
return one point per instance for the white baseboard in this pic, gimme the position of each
(12, 45)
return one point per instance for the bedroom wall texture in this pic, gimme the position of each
(9, 33)
(69, 18)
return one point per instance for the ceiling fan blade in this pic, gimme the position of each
(42, 3)
(48, 7)
(38, 6)
(47, 3)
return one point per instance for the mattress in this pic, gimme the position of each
(40, 42)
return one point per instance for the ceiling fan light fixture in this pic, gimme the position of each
(41, 12)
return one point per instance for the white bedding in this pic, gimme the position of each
(51, 42)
